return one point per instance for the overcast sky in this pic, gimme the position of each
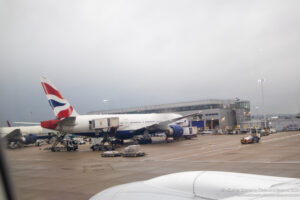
(147, 52)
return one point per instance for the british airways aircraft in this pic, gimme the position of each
(69, 121)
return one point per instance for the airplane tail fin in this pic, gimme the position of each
(8, 123)
(61, 107)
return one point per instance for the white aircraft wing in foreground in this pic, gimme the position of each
(206, 185)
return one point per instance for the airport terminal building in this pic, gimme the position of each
(214, 113)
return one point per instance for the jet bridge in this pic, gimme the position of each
(105, 122)
(106, 125)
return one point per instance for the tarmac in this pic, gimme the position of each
(40, 174)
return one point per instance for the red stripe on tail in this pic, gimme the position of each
(50, 90)
(65, 113)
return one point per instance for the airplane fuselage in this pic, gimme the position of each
(26, 130)
(128, 123)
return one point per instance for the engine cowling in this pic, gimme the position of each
(29, 139)
(175, 131)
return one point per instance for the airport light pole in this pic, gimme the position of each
(261, 81)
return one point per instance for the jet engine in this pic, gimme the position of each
(29, 139)
(174, 131)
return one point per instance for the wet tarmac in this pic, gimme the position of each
(40, 174)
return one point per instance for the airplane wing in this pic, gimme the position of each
(206, 185)
(164, 124)
(33, 123)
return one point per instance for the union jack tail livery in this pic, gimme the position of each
(58, 103)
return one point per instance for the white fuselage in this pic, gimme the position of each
(127, 122)
(25, 130)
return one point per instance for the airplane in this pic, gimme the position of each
(205, 185)
(68, 121)
(8, 123)
(18, 136)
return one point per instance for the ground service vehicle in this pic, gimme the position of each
(253, 137)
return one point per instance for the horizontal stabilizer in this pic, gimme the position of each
(68, 121)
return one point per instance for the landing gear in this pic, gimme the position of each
(144, 139)
(169, 137)
(147, 137)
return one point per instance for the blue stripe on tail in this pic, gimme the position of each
(54, 103)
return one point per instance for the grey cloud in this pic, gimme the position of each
(147, 52)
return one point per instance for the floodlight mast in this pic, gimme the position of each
(261, 81)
